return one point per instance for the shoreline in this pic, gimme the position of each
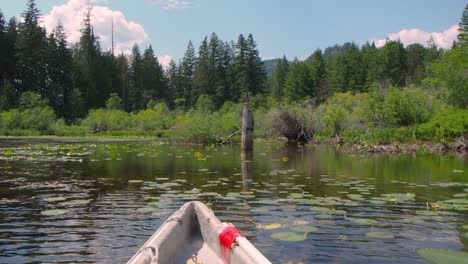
(459, 147)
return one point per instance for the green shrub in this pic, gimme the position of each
(447, 125)
(100, 120)
(344, 111)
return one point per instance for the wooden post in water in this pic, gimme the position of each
(247, 127)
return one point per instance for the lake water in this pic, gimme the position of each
(91, 202)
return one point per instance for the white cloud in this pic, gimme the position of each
(173, 4)
(165, 60)
(70, 14)
(414, 35)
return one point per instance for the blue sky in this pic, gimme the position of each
(294, 28)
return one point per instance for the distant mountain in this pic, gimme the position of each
(269, 66)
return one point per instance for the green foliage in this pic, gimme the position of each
(31, 99)
(451, 71)
(344, 111)
(114, 102)
(100, 120)
(204, 104)
(401, 107)
(447, 125)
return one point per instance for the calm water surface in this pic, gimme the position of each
(98, 202)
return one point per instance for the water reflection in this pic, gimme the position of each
(116, 197)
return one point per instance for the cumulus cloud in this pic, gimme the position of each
(442, 39)
(165, 60)
(173, 4)
(70, 14)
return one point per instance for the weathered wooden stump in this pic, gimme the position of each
(247, 128)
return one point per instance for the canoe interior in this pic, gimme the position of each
(193, 231)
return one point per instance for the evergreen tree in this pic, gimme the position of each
(463, 28)
(240, 69)
(88, 68)
(60, 68)
(255, 72)
(187, 73)
(317, 75)
(278, 79)
(298, 84)
(153, 82)
(174, 85)
(135, 93)
(31, 51)
(394, 63)
(415, 63)
(202, 72)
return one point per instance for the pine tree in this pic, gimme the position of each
(135, 93)
(174, 84)
(255, 72)
(463, 28)
(31, 51)
(298, 84)
(153, 82)
(88, 66)
(394, 63)
(240, 68)
(60, 69)
(415, 63)
(202, 73)
(187, 73)
(278, 79)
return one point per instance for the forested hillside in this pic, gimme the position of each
(50, 86)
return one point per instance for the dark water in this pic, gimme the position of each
(100, 201)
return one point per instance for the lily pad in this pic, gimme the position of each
(443, 256)
(379, 235)
(54, 212)
(75, 202)
(426, 213)
(259, 210)
(135, 181)
(303, 228)
(363, 221)
(272, 226)
(289, 236)
(55, 199)
(146, 210)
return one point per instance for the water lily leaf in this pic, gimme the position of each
(303, 228)
(135, 181)
(54, 212)
(465, 227)
(442, 256)
(379, 235)
(363, 221)
(259, 210)
(75, 202)
(426, 213)
(272, 226)
(55, 199)
(460, 195)
(413, 220)
(289, 236)
(146, 209)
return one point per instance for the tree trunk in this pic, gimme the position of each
(247, 128)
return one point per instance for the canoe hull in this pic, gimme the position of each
(194, 230)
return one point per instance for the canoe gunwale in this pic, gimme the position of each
(194, 219)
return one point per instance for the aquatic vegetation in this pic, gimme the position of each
(289, 236)
(443, 256)
(54, 212)
(272, 226)
(303, 228)
(363, 221)
(379, 235)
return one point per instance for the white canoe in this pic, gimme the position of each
(192, 235)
